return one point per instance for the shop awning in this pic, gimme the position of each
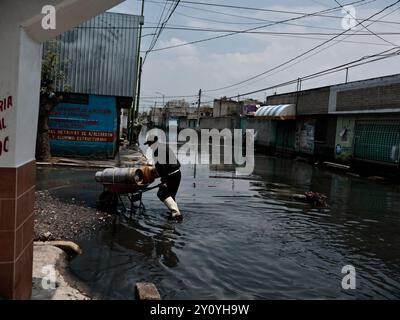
(277, 112)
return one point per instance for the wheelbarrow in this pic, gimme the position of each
(130, 183)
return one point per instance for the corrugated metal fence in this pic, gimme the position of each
(101, 55)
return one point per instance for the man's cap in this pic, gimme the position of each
(151, 141)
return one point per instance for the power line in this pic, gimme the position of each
(302, 35)
(302, 54)
(171, 97)
(158, 28)
(310, 56)
(201, 29)
(361, 3)
(251, 29)
(274, 11)
(248, 8)
(159, 22)
(352, 64)
(246, 17)
(349, 65)
(265, 20)
(336, 36)
(213, 20)
(171, 12)
(365, 27)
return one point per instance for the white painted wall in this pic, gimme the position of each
(30, 57)
(9, 62)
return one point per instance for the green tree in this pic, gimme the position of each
(52, 71)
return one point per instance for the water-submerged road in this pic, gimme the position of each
(245, 238)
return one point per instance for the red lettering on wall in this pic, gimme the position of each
(2, 124)
(6, 103)
(77, 135)
(4, 145)
(9, 102)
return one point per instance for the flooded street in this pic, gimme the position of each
(245, 238)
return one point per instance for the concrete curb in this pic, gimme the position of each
(146, 291)
(67, 246)
(51, 275)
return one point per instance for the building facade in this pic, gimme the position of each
(226, 108)
(100, 64)
(357, 121)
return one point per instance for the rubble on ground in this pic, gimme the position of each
(57, 220)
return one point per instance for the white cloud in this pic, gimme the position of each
(187, 50)
(218, 63)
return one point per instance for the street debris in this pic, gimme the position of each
(314, 198)
(57, 220)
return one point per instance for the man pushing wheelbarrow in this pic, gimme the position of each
(168, 168)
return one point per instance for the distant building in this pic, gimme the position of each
(352, 122)
(156, 117)
(205, 112)
(250, 107)
(177, 104)
(226, 107)
(179, 112)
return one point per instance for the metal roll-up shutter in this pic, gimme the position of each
(377, 140)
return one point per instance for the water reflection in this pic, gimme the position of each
(245, 237)
(148, 238)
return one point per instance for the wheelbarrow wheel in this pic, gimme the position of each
(108, 200)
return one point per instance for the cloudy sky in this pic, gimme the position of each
(222, 62)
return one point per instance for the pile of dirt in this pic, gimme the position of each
(56, 220)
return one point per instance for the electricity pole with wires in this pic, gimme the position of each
(138, 87)
(198, 110)
(134, 111)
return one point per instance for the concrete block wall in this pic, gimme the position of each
(313, 101)
(287, 98)
(224, 108)
(265, 131)
(220, 123)
(380, 97)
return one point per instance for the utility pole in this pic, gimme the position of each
(138, 87)
(163, 97)
(133, 113)
(154, 111)
(198, 111)
(297, 94)
(299, 84)
(347, 75)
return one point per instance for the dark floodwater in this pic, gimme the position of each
(246, 238)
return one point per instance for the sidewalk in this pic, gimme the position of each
(127, 157)
(50, 261)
